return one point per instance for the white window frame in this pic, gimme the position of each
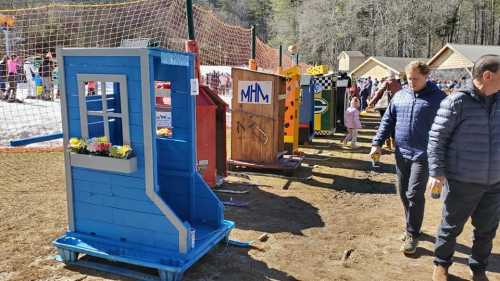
(84, 112)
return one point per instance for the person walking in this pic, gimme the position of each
(12, 65)
(46, 72)
(3, 78)
(365, 93)
(410, 115)
(352, 123)
(464, 151)
(390, 87)
(375, 86)
(382, 98)
(354, 89)
(30, 73)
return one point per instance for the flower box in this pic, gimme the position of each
(103, 163)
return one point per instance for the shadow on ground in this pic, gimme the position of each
(347, 163)
(353, 185)
(268, 212)
(494, 261)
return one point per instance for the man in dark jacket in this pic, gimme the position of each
(410, 115)
(365, 93)
(46, 72)
(464, 150)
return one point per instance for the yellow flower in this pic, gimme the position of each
(124, 150)
(74, 142)
(102, 140)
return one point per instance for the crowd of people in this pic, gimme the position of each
(39, 80)
(219, 82)
(442, 141)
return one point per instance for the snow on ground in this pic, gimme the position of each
(31, 118)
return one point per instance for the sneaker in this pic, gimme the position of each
(403, 236)
(409, 246)
(479, 276)
(440, 273)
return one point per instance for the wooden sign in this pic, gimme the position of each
(255, 92)
(317, 70)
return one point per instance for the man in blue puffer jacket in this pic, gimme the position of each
(410, 115)
(464, 150)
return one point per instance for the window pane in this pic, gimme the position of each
(92, 96)
(95, 126)
(115, 131)
(113, 97)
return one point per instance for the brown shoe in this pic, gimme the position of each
(440, 273)
(479, 276)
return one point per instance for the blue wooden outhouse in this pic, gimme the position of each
(154, 209)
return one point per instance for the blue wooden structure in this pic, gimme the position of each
(153, 210)
(306, 127)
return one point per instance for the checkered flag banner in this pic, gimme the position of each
(322, 83)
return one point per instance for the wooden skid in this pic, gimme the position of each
(71, 258)
(132, 260)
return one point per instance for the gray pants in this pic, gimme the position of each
(412, 179)
(464, 201)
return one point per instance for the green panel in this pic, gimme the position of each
(327, 115)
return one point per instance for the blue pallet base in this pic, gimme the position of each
(170, 265)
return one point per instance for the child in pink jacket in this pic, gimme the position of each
(352, 122)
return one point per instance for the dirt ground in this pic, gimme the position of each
(345, 206)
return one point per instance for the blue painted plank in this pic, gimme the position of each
(94, 187)
(136, 133)
(130, 235)
(117, 202)
(124, 218)
(130, 192)
(90, 175)
(84, 210)
(142, 220)
(126, 181)
(36, 139)
(135, 119)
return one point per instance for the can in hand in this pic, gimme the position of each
(375, 160)
(436, 191)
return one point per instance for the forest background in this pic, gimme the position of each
(322, 29)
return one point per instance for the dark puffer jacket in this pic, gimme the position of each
(411, 115)
(464, 143)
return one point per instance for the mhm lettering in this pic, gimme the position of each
(254, 94)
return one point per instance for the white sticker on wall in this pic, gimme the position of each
(164, 119)
(195, 87)
(342, 83)
(257, 92)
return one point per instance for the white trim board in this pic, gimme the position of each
(67, 164)
(124, 115)
(148, 157)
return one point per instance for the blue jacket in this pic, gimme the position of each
(464, 143)
(410, 115)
